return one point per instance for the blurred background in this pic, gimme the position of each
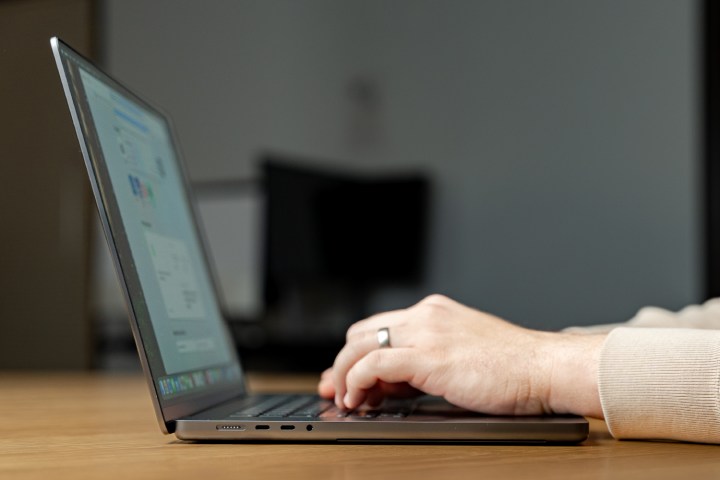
(545, 161)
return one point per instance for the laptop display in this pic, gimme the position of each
(150, 221)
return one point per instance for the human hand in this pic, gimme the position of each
(472, 359)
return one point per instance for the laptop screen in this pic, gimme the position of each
(140, 188)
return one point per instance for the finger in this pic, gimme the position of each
(389, 365)
(326, 389)
(360, 345)
(381, 320)
(354, 350)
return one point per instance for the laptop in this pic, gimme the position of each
(194, 375)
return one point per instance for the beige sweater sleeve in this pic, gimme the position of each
(661, 383)
(705, 316)
(659, 374)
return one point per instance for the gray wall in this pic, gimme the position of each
(562, 134)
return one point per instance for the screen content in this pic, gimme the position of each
(148, 187)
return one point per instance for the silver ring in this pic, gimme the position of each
(383, 336)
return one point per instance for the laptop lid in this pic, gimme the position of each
(141, 192)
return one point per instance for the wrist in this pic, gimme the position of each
(572, 385)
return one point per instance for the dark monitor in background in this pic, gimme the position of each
(325, 226)
(331, 239)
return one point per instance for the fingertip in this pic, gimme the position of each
(326, 390)
(350, 402)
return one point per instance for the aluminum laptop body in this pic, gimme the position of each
(194, 375)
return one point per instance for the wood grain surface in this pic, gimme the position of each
(103, 426)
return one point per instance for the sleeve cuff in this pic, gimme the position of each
(658, 383)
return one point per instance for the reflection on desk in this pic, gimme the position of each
(103, 426)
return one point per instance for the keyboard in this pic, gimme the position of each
(304, 407)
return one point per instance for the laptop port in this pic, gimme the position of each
(262, 427)
(230, 427)
(287, 427)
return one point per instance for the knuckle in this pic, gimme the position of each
(350, 351)
(341, 359)
(430, 312)
(358, 328)
(361, 374)
(355, 378)
(373, 359)
(435, 299)
(354, 330)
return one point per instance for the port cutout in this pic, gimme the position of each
(230, 427)
(309, 428)
(262, 427)
(287, 427)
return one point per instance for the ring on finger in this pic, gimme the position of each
(383, 337)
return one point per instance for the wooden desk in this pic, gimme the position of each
(101, 426)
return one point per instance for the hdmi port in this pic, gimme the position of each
(262, 427)
(287, 427)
